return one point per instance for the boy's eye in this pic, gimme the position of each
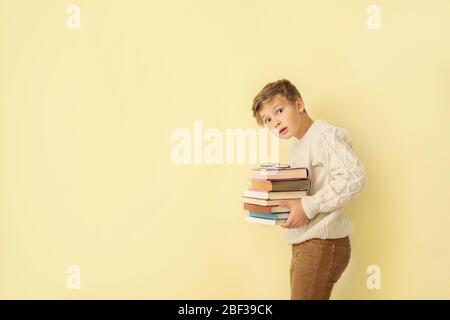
(267, 120)
(281, 110)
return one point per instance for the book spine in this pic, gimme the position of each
(273, 216)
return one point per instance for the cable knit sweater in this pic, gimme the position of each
(337, 176)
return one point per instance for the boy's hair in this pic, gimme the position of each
(282, 87)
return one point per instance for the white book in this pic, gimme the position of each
(274, 195)
(261, 202)
(265, 221)
(286, 171)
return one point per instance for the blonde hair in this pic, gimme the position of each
(281, 87)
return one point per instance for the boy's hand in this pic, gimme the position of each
(297, 216)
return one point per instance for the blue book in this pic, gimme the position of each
(270, 216)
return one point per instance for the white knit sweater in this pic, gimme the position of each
(337, 176)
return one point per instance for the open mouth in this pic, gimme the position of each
(283, 131)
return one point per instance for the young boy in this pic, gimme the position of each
(317, 227)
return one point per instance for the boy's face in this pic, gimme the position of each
(282, 116)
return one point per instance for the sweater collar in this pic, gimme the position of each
(307, 133)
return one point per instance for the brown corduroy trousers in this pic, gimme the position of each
(316, 265)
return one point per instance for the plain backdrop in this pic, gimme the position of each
(86, 176)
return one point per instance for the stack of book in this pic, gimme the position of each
(271, 184)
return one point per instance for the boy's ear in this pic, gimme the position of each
(299, 104)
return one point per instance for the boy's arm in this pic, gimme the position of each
(348, 176)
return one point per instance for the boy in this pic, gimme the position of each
(317, 227)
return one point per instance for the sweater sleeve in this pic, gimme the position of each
(347, 174)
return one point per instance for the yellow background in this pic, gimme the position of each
(87, 115)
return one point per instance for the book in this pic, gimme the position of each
(271, 171)
(274, 195)
(265, 221)
(273, 216)
(261, 202)
(271, 184)
(278, 174)
(272, 165)
(281, 185)
(265, 209)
